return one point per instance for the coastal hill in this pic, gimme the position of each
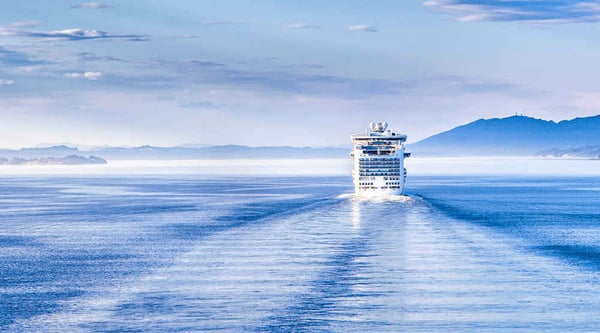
(34, 153)
(55, 155)
(517, 136)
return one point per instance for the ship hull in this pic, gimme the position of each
(380, 187)
(378, 192)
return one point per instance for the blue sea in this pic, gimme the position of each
(298, 254)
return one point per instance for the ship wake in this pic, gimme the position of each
(375, 198)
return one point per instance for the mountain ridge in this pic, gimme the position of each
(515, 135)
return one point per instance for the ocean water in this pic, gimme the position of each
(298, 254)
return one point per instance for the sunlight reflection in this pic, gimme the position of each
(355, 215)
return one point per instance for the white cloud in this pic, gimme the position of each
(20, 29)
(84, 75)
(92, 5)
(81, 34)
(92, 75)
(73, 75)
(75, 33)
(362, 27)
(303, 26)
(6, 82)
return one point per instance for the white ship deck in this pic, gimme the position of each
(379, 161)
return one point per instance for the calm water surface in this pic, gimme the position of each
(139, 254)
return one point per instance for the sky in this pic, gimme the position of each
(287, 72)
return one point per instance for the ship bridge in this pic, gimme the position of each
(378, 140)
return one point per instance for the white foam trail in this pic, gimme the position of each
(375, 198)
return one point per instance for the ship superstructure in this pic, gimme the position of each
(379, 161)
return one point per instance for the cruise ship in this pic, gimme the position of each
(379, 161)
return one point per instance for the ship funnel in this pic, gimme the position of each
(379, 127)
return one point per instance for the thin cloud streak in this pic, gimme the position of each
(91, 5)
(81, 34)
(187, 36)
(23, 29)
(302, 26)
(362, 27)
(4, 82)
(12, 58)
(85, 75)
(87, 56)
(203, 72)
(217, 22)
(541, 11)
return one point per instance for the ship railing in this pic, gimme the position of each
(378, 159)
(379, 163)
(379, 147)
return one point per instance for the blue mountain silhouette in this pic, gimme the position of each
(516, 135)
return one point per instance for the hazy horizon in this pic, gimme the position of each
(416, 166)
(124, 73)
(204, 145)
